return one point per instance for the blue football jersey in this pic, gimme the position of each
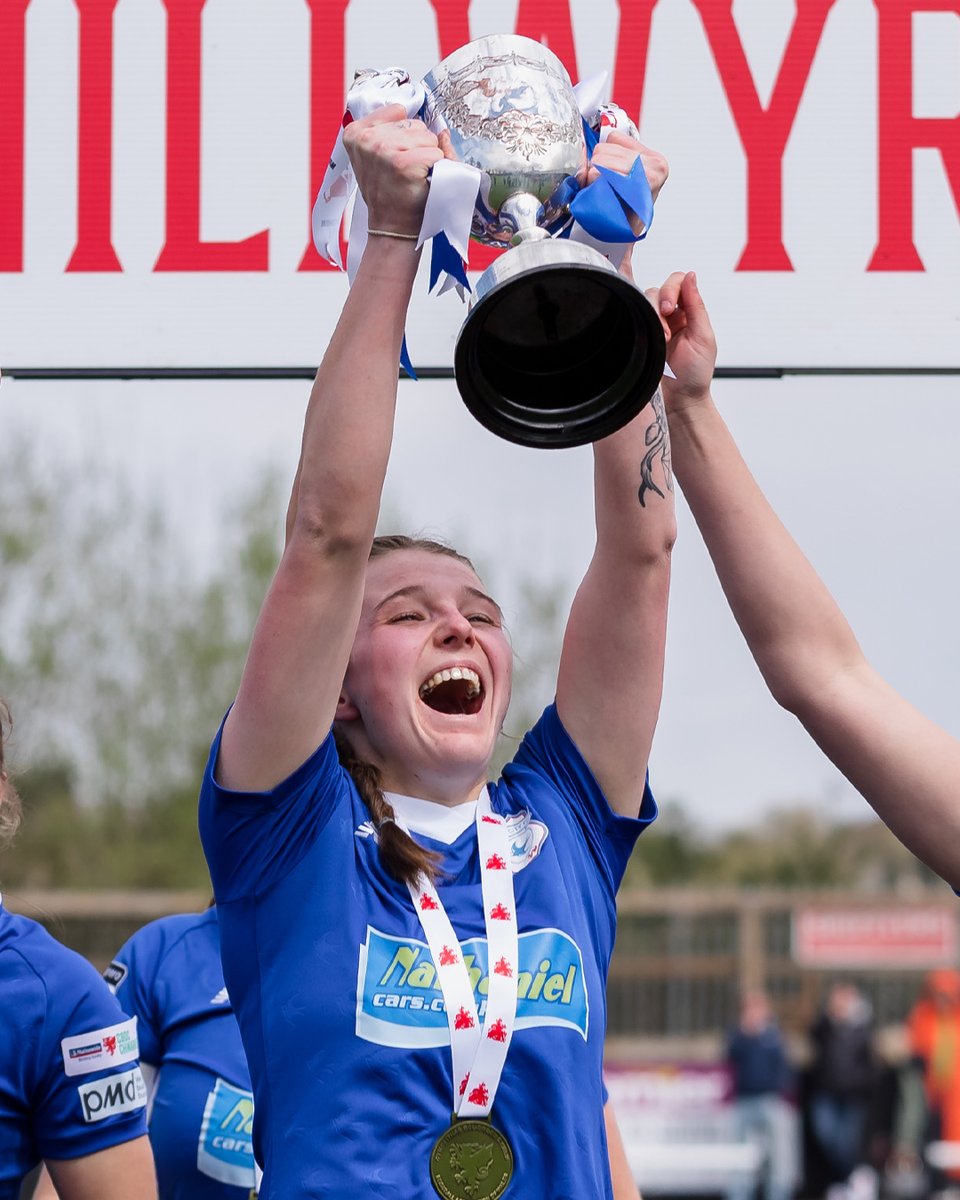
(336, 993)
(70, 1081)
(169, 976)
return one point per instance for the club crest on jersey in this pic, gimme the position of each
(526, 838)
(400, 1002)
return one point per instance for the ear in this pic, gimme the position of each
(346, 709)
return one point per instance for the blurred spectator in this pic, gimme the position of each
(843, 1075)
(762, 1077)
(934, 1025)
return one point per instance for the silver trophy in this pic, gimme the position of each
(558, 348)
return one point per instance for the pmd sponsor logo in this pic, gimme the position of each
(399, 1001)
(115, 1094)
(225, 1151)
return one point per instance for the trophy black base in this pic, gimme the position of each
(558, 348)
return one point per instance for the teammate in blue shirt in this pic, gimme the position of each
(71, 1091)
(403, 941)
(168, 975)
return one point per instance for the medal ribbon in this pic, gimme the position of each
(478, 1051)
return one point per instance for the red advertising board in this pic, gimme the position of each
(886, 937)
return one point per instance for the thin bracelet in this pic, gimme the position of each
(405, 237)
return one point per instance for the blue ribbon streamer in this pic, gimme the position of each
(600, 207)
(405, 360)
(445, 258)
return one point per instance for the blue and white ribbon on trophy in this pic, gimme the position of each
(600, 211)
(450, 202)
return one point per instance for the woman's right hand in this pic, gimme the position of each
(691, 344)
(392, 156)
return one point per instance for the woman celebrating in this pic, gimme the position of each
(405, 942)
(71, 1092)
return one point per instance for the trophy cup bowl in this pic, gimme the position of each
(558, 348)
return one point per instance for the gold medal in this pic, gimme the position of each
(471, 1161)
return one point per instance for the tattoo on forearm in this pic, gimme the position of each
(657, 438)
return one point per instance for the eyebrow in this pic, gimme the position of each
(415, 589)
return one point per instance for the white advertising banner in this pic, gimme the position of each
(159, 161)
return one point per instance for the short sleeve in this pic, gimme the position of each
(253, 839)
(549, 754)
(89, 1093)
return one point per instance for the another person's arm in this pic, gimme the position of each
(611, 666)
(624, 1184)
(903, 764)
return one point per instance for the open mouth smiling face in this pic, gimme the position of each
(456, 691)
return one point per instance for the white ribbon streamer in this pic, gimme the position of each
(357, 242)
(453, 186)
(370, 90)
(589, 93)
(450, 204)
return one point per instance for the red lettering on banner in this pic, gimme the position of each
(94, 250)
(327, 98)
(633, 46)
(548, 21)
(183, 249)
(12, 54)
(900, 133)
(453, 24)
(764, 131)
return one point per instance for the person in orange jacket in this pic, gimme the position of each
(934, 1026)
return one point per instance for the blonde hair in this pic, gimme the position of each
(10, 808)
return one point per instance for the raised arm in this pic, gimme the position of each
(291, 681)
(903, 764)
(611, 666)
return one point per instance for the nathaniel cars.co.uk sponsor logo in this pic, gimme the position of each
(225, 1151)
(400, 1003)
(101, 1048)
(102, 1098)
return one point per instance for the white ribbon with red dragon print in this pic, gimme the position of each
(478, 1052)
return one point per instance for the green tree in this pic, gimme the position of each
(118, 658)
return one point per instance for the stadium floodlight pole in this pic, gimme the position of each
(179, 373)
